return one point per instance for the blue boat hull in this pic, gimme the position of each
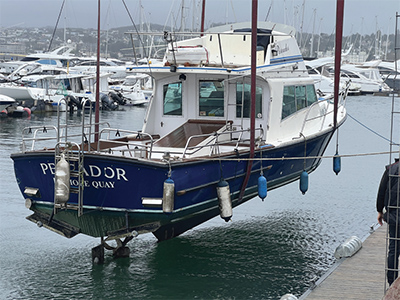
(114, 188)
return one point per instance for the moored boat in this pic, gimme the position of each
(210, 133)
(6, 101)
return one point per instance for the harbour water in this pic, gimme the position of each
(270, 247)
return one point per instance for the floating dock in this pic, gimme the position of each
(361, 276)
(387, 94)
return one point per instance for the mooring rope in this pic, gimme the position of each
(295, 158)
(366, 127)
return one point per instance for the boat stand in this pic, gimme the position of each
(121, 250)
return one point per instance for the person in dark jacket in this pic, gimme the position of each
(388, 207)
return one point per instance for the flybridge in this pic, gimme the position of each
(230, 49)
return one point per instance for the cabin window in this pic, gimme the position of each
(311, 95)
(47, 62)
(173, 99)
(211, 98)
(243, 100)
(296, 98)
(301, 99)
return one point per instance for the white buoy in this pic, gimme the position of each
(224, 198)
(168, 195)
(288, 297)
(348, 248)
(62, 176)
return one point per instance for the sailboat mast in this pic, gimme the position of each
(338, 56)
(203, 13)
(253, 96)
(97, 111)
(253, 75)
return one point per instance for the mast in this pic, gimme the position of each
(312, 36)
(203, 13)
(338, 56)
(253, 95)
(97, 112)
(253, 75)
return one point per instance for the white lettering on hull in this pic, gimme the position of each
(92, 171)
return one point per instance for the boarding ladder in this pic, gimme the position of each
(395, 140)
(73, 152)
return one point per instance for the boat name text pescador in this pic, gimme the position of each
(92, 171)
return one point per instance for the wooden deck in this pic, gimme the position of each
(360, 277)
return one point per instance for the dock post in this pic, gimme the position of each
(98, 255)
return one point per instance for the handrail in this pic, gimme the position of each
(148, 146)
(36, 129)
(215, 141)
(139, 134)
(319, 116)
(90, 120)
(59, 118)
(57, 134)
(327, 112)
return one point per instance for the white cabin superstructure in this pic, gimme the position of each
(203, 80)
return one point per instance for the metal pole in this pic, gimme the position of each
(253, 75)
(203, 12)
(253, 95)
(97, 112)
(338, 56)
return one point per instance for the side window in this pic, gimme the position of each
(311, 95)
(289, 101)
(211, 98)
(301, 97)
(296, 98)
(243, 100)
(173, 99)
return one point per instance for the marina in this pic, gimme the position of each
(270, 248)
(256, 122)
(227, 167)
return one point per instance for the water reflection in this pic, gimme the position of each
(243, 260)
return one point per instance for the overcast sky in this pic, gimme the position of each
(362, 16)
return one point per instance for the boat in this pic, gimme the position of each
(45, 92)
(5, 102)
(59, 57)
(368, 78)
(320, 68)
(87, 65)
(206, 146)
(33, 68)
(135, 90)
(389, 72)
(25, 89)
